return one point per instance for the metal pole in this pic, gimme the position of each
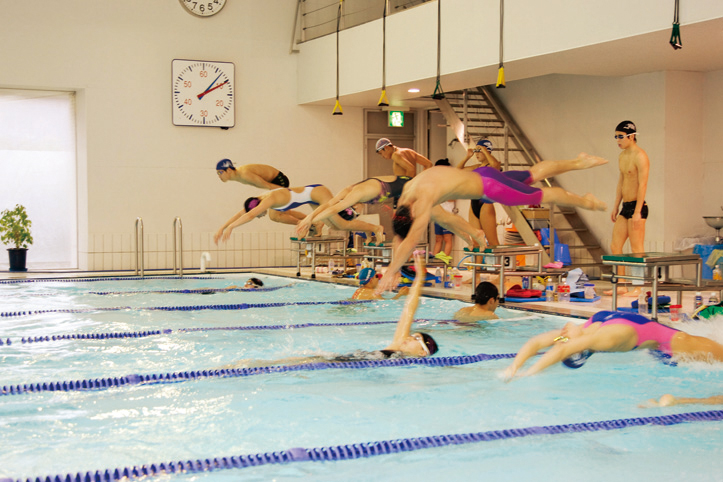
(178, 245)
(139, 246)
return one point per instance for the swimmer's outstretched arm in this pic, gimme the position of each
(531, 348)
(458, 226)
(404, 250)
(404, 325)
(241, 218)
(668, 400)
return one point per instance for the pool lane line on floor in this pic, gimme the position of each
(238, 306)
(103, 383)
(353, 451)
(168, 331)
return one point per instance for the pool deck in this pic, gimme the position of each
(574, 309)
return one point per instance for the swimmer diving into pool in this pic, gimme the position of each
(257, 175)
(378, 190)
(511, 188)
(611, 331)
(282, 200)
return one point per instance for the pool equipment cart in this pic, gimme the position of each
(15, 230)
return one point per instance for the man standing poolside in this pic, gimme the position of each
(405, 160)
(632, 186)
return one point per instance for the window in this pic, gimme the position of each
(38, 170)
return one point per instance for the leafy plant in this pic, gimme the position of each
(15, 227)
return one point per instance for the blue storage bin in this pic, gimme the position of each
(562, 251)
(704, 251)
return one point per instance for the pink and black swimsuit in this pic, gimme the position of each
(511, 188)
(646, 329)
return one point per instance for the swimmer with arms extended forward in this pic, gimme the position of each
(611, 331)
(282, 200)
(511, 188)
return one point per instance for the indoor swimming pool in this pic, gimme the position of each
(160, 379)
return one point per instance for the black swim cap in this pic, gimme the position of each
(484, 292)
(402, 221)
(430, 343)
(257, 282)
(627, 127)
(251, 203)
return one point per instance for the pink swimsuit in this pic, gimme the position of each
(646, 329)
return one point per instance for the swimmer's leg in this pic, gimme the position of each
(696, 347)
(543, 170)
(557, 195)
(338, 222)
(286, 217)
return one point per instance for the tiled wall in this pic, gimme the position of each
(243, 250)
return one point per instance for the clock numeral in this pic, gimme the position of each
(204, 113)
(219, 103)
(188, 101)
(203, 73)
(187, 83)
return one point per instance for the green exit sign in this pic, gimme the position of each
(396, 118)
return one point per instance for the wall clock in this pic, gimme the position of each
(203, 9)
(203, 93)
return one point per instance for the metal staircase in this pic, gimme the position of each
(478, 113)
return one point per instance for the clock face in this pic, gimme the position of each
(203, 93)
(203, 9)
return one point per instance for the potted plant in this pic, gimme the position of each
(15, 230)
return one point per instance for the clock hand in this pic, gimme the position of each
(200, 96)
(209, 89)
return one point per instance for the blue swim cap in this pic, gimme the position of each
(486, 143)
(224, 164)
(366, 275)
(578, 359)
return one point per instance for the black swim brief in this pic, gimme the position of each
(476, 205)
(281, 180)
(629, 209)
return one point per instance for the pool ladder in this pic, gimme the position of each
(177, 246)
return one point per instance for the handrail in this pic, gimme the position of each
(178, 245)
(139, 246)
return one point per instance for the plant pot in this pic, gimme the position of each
(17, 258)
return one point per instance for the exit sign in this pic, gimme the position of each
(396, 118)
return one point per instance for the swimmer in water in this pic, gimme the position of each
(367, 285)
(404, 344)
(486, 301)
(669, 400)
(611, 331)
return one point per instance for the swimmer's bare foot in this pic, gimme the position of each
(379, 234)
(594, 204)
(586, 161)
(621, 291)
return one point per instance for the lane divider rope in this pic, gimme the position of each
(239, 306)
(353, 451)
(87, 280)
(167, 331)
(202, 291)
(176, 377)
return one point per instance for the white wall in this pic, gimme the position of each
(470, 41)
(134, 162)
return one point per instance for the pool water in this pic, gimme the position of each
(67, 432)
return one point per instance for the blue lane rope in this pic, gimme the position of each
(353, 451)
(175, 377)
(239, 306)
(189, 291)
(86, 280)
(142, 334)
